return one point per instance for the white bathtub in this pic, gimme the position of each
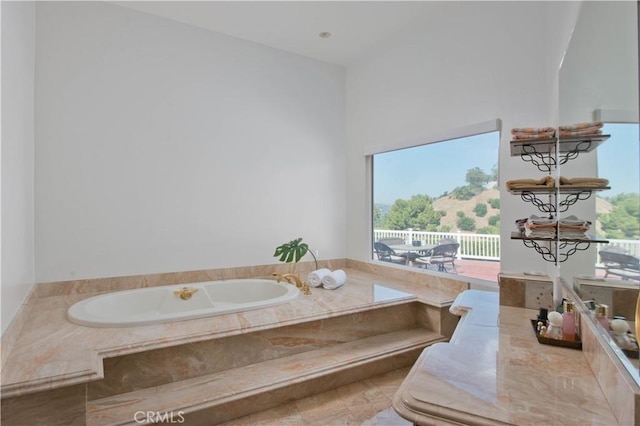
(155, 305)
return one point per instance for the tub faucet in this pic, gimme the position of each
(295, 280)
(185, 293)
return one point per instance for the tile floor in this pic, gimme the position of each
(367, 402)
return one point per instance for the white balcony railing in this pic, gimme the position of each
(472, 246)
(482, 246)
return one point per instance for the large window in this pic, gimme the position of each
(618, 209)
(439, 194)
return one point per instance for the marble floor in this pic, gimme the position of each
(367, 402)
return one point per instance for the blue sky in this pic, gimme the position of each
(432, 169)
(435, 168)
(618, 159)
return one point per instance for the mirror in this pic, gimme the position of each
(598, 81)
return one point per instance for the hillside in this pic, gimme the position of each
(452, 206)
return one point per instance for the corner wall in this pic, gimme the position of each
(487, 62)
(162, 147)
(17, 192)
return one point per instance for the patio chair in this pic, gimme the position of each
(391, 241)
(618, 261)
(441, 255)
(447, 241)
(387, 254)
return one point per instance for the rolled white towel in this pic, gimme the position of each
(314, 279)
(334, 280)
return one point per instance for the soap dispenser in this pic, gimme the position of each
(568, 321)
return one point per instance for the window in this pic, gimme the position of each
(439, 192)
(618, 209)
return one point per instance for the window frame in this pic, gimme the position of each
(488, 126)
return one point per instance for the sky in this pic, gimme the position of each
(435, 168)
(432, 169)
(618, 159)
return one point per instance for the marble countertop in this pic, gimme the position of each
(51, 351)
(494, 371)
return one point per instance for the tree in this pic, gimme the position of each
(465, 223)
(416, 213)
(494, 203)
(494, 173)
(378, 217)
(480, 209)
(464, 192)
(477, 178)
(494, 221)
(623, 222)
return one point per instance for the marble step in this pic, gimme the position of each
(222, 396)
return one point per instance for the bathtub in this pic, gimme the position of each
(153, 305)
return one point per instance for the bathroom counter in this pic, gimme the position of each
(494, 371)
(51, 352)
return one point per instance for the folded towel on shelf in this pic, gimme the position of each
(539, 231)
(334, 280)
(567, 227)
(584, 181)
(581, 126)
(531, 130)
(586, 132)
(573, 220)
(539, 135)
(546, 181)
(314, 279)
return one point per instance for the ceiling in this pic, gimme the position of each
(355, 26)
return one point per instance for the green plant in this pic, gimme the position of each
(480, 209)
(465, 223)
(293, 251)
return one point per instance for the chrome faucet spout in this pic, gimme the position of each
(293, 279)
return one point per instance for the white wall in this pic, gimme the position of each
(17, 229)
(600, 68)
(491, 61)
(164, 147)
(599, 71)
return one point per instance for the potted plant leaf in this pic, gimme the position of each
(293, 251)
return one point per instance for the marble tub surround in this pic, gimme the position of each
(101, 285)
(493, 371)
(526, 291)
(161, 366)
(429, 287)
(12, 332)
(96, 286)
(52, 352)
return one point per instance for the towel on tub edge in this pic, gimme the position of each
(334, 280)
(314, 279)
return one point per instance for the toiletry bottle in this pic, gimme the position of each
(602, 315)
(568, 321)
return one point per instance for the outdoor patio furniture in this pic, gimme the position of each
(441, 255)
(387, 254)
(618, 261)
(391, 241)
